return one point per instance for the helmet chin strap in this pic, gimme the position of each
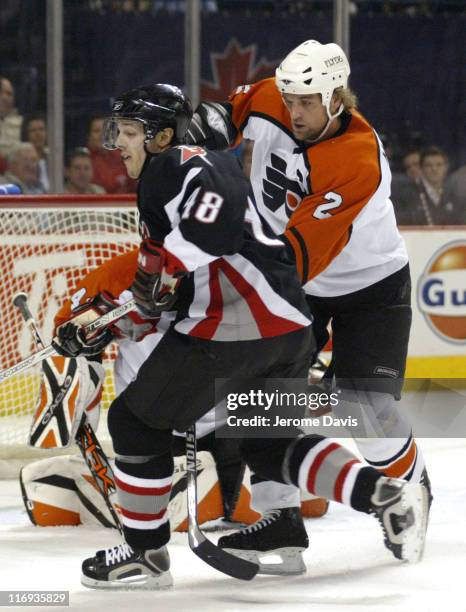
(327, 125)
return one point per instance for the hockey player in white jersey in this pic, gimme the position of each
(322, 181)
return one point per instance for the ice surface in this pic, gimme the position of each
(349, 569)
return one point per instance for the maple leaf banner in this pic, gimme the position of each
(235, 65)
(239, 50)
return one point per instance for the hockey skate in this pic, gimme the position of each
(280, 533)
(402, 509)
(121, 567)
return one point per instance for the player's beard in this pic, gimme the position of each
(307, 133)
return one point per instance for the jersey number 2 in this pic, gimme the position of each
(334, 201)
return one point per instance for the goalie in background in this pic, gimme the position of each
(60, 490)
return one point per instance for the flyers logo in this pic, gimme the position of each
(188, 153)
(278, 189)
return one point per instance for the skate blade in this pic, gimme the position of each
(221, 524)
(415, 496)
(291, 564)
(134, 583)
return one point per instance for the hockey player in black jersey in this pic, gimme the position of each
(240, 314)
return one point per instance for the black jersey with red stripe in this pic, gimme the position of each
(240, 284)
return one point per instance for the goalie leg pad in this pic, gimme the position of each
(60, 491)
(49, 492)
(69, 388)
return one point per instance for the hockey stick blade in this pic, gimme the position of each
(220, 560)
(211, 554)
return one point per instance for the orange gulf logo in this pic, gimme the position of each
(442, 292)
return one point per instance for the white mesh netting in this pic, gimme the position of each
(45, 250)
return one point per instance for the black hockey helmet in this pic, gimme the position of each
(155, 106)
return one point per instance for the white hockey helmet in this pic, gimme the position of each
(313, 68)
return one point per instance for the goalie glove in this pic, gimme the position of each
(71, 339)
(69, 389)
(154, 289)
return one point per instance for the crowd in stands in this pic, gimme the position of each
(410, 7)
(90, 169)
(424, 192)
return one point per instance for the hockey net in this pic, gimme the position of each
(47, 244)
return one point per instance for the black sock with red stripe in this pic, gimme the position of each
(143, 476)
(143, 487)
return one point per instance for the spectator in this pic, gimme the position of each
(23, 169)
(425, 202)
(455, 188)
(403, 183)
(109, 171)
(411, 162)
(79, 173)
(10, 120)
(173, 6)
(34, 130)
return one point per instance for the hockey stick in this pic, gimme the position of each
(86, 439)
(34, 359)
(211, 554)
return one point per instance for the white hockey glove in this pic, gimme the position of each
(69, 389)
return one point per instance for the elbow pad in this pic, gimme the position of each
(212, 127)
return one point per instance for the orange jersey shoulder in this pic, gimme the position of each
(341, 160)
(113, 276)
(261, 98)
(344, 174)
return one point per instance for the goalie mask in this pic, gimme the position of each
(156, 107)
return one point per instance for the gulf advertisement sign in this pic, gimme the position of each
(441, 292)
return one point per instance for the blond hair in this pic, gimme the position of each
(347, 97)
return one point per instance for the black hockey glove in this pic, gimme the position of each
(70, 339)
(211, 126)
(153, 288)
